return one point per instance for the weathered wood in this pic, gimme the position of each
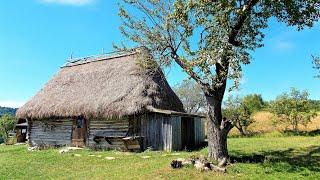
(53, 132)
(109, 128)
(161, 131)
(199, 135)
(156, 130)
(176, 143)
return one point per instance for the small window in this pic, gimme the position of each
(80, 123)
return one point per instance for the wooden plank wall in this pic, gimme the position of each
(199, 134)
(161, 132)
(50, 132)
(176, 133)
(112, 128)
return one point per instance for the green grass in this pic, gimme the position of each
(268, 157)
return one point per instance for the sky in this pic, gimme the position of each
(37, 36)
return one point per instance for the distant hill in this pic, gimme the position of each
(7, 110)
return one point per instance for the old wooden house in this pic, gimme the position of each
(110, 101)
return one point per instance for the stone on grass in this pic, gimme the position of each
(145, 157)
(35, 148)
(175, 154)
(110, 158)
(67, 149)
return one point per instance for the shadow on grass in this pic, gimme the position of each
(291, 160)
(302, 133)
(277, 133)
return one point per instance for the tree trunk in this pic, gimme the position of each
(218, 129)
(242, 132)
(295, 125)
(217, 143)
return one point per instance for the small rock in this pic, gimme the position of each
(110, 158)
(217, 168)
(175, 154)
(206, 169)
(180, 159)
(67, 149)
(33, 148)
(222, 162)
(74, 148)
(145, 157)
(77, 155)
(63, 151)
(187, 162)
(199, 165)
(18, 144)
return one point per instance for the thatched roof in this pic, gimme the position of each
(111, 86)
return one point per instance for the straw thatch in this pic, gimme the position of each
(104, 87)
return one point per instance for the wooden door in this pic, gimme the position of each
(187, 133)
(79, 132)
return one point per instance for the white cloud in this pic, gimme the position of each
(69, 2)
(284, 45)
(12, 104)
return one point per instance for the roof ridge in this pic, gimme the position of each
(95, 58)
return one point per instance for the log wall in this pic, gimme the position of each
(159, 131)
(115, 129)
(50, 132)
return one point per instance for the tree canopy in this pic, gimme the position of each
(191, 96)
(206, 37)
(293, 108)
(239, 112)
(254, 102)
(316, 65)
(7, 123)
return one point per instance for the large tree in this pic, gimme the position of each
(209, 40)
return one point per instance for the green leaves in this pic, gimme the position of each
(7, 123)
(203, 35)
(238, 111)
(293, 108)
(316, 64)
(191, 96)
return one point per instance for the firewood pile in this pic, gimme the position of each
(200, 163)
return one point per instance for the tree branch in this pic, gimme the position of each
(226, 125)
(193, 75)
(241, 19)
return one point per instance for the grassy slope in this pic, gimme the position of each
(257, 158)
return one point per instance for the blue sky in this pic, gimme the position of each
(37, 36)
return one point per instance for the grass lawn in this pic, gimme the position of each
(292, 157)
